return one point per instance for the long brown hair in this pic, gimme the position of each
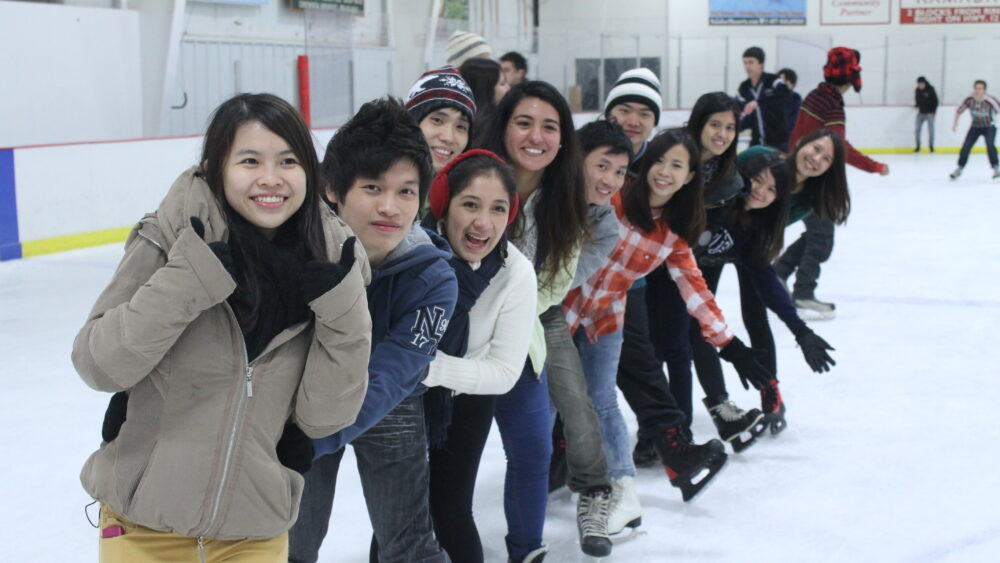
(828, 192)
(561, 212)
(684, 213)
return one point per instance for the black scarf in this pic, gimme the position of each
(455, 342)
(272, 301)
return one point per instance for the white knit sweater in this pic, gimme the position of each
(500, 325)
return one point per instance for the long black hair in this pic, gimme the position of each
(302, 234)
(708, 105)
(561, 212)
(828, 192)
(482, 76)
(766, 226)
(684, 213)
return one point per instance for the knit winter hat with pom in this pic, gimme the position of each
(638, 85)
(463, 45)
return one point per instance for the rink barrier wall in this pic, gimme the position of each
(55, 198)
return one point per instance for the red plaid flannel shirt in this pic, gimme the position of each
(599, 304)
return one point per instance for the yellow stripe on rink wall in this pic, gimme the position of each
(72, 242)
(909, 150)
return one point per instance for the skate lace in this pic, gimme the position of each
(592, 514)
(728, 411)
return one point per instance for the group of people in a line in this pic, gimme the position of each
(461, 257)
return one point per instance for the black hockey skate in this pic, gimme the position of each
(773, 406)
(592, 510)
(644, 454)
(691, 467)
(738, 427)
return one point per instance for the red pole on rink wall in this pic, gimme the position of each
(305, 105)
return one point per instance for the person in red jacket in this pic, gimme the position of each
(823, 107)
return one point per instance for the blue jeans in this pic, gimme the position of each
(600, 365)
(989, 134)
(392, 463)
(522, 415)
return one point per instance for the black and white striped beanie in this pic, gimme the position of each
(638, 85)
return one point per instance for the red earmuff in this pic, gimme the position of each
(440, 193)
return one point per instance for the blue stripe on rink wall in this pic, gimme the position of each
(10, 246)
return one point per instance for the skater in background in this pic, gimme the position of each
(532, 129)
(661, 214)
(485, 346)
(763, 98)
(515, 67)
(378, 171)
(824, 108)
(487, 81)
(791, 78)
(984, 109)
(243, 293)
(926, 102)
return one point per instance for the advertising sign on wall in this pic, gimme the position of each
(949, 11)
(757, 12)
(855, 12)
(354, 6)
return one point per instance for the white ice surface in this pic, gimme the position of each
(891, 457)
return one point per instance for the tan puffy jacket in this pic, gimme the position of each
(196, 455)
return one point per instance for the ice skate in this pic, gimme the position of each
(996, 173)
(690, 467)
(536, 556)
(625, 513)
(954, 175)
(592, 511)
(644, 454)
(813, 309)
(773, 406)
(738, 427)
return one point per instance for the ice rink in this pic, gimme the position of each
(891, 457)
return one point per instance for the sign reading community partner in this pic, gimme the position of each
(757, 12)
(949, 11)
(855, 12)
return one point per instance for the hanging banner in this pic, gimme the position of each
(757, 12)
(949, 11)
(855, 12)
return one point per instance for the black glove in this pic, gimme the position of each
(749, 363)
(318, 277)
(114, 417)
(814, 349)
(295, 449)
(219, 248)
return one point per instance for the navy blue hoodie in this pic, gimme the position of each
(411, 298)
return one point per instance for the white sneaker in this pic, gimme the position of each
(954, 175)
(625, 511)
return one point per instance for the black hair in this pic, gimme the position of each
(706, 106)
(604, 133)
(829, 195)
(980, 81)
(754, 52)
(766, 226)
(303, 231)
(516, 59)
(482, 76)
(561, 212)
(789, 74)
(922, 79)
(684, 213)
(376, 138)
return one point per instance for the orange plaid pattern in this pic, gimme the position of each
(599, 304)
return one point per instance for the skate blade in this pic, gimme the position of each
(703, 478)
(813, 315)
(628, 533)
(777, 426)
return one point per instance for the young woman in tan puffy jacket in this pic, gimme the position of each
(238, 306)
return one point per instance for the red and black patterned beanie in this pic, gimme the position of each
(443, 87)
(842, 67)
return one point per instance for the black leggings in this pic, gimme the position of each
(453, 469)
(706, 358)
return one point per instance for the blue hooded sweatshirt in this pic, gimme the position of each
(411, 298)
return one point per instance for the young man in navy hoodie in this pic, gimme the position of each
(379, 170)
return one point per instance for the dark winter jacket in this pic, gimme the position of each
(728, 242)
(792, 110)
(411, 298)
(768, 124)
(926, 100)
(721, 191)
